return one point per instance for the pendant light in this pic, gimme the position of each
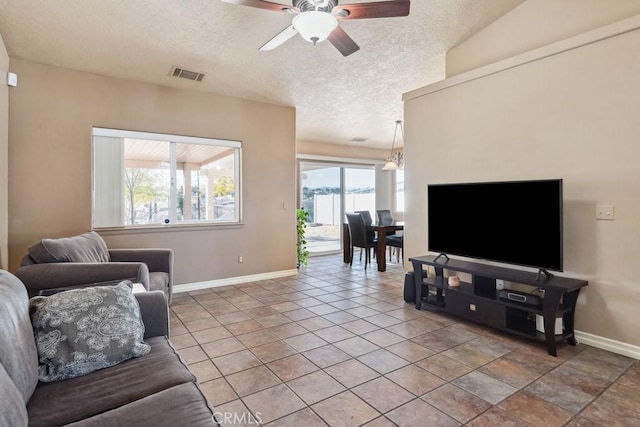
(394, 160)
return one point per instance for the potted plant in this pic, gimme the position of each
(301, 245)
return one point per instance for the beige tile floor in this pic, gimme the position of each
(338, 346)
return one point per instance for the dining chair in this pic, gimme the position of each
(396, 241)
(384, 216)
(368, 220)
(392, 239)
(366, 216)
(359, 237)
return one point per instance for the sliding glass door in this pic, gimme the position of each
(327, 192)
(360, 190)
(320, 185)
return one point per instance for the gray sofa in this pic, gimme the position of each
(70, 262)
(153, 390)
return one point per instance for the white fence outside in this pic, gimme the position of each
(327, 206)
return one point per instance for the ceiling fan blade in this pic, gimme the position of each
(280, 38)
(343, 42)
(379, 9)
(261, 4)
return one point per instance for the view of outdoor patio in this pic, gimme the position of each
(151, 181)
(326, 200)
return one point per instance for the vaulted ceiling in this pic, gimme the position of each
(336, 98)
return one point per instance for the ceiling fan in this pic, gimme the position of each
(317, 20)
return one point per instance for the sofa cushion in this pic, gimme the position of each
(13, 410)
(82, 330)
(56, 403)
(159, 281)
(18, 352)
(182, 405)
(87, 247)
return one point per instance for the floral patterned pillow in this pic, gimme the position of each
(83, 330)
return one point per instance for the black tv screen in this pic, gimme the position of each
(518, 222)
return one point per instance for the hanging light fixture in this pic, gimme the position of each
(315, 26)
(395, 159)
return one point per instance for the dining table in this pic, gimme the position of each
(381, 230)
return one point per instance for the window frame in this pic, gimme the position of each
(173, 140)
(395, 191)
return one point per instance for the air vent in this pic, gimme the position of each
(358, 139)
(186, 74)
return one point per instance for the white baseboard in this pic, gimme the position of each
(187, 287)
(613, 346)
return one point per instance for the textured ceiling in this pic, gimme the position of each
(336, 98)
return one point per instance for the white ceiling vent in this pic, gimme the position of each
(186, 74)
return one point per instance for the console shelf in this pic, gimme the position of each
(478, 301)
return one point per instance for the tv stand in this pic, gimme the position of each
(479, 301)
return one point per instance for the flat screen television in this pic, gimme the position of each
(517, 222)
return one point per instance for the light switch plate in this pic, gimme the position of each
(12, 79)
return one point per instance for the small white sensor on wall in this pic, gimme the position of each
(12, 79)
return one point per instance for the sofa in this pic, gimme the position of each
(156, 389)
(51, 265)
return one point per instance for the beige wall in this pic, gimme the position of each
(570, 115)
(52, 114)
(535, 24)
(4, 147)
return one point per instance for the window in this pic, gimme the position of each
(399, 190)
(142, 179)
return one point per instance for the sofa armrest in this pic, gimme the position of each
(37, 277)
(155, 313)
(156, 259)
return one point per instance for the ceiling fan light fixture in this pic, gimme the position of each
(315, 26)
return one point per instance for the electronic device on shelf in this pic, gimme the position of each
(520, 297)
(514, 222)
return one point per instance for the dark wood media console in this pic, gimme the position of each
(478, 300)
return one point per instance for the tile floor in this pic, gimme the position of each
(338, 346)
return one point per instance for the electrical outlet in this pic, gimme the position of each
(499, 284)
(606, 212)
(472, 307)
(240, 259)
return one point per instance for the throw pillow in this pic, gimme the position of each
(83, 330)
(87, 247)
